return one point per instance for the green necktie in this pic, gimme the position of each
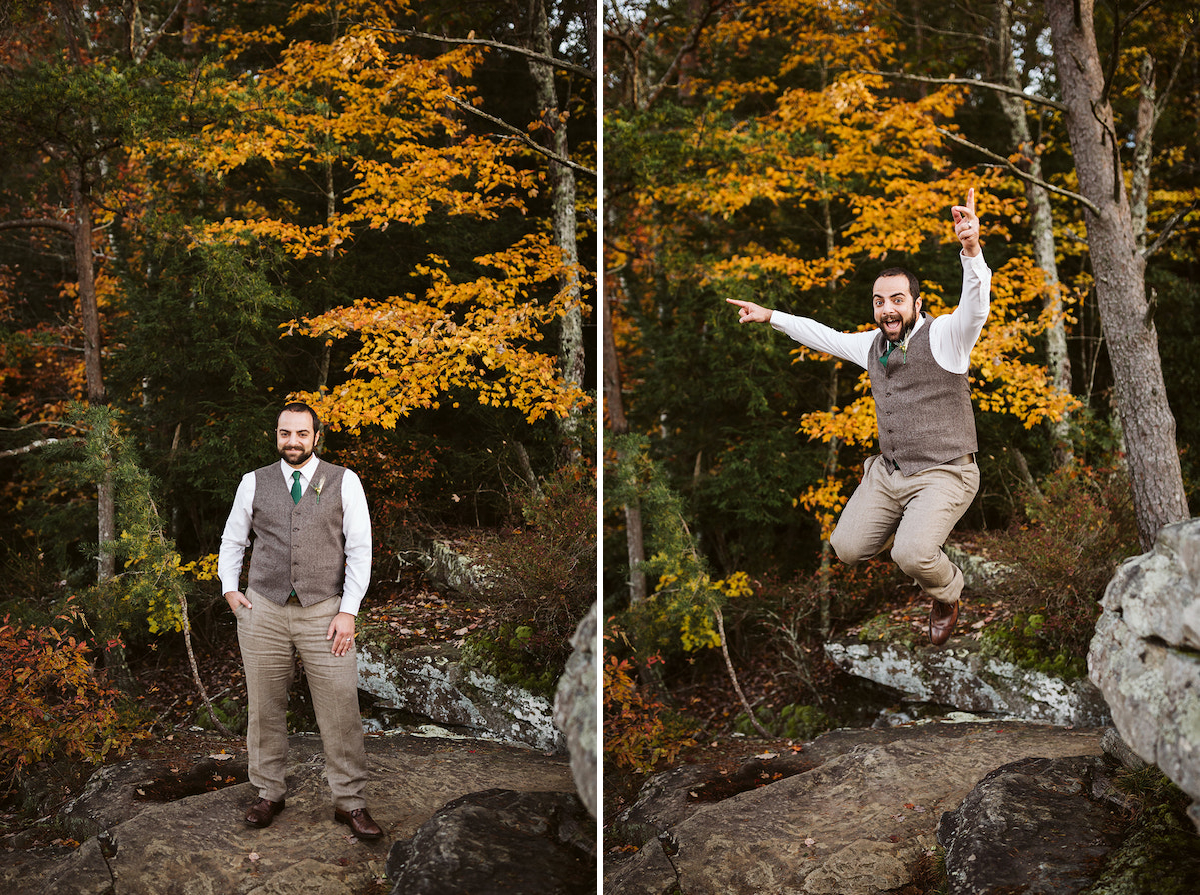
(297, 491)
(883, 358)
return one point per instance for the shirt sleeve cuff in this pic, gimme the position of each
(976, 261)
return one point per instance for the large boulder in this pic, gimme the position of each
(961, 676)
(1145, 655)
(432, 682)
(499, 841)
(575, 708)
(1061, 816)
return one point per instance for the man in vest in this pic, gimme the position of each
(309, 571)
(925, 476)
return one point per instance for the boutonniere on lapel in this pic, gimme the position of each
(317, 488)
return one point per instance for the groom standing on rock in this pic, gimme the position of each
(308, 574)
(925, 475)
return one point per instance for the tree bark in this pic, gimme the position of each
(1041, 226)
(614, 408)
(1149, 426)
(89, 315)
(571, 356)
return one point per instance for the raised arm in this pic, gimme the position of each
(966, 225)
(954, 335)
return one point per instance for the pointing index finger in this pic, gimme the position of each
(971, 201)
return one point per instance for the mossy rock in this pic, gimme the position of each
(794, 722)
(1161, 855)
(884, 629)
(1017, 641)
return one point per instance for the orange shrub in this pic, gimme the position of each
(52, 703)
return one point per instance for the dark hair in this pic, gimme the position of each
(301, 407)
(914, 285)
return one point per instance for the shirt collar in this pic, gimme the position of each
(903, 343)
(306, 471)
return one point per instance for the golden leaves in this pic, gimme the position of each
(479, 336)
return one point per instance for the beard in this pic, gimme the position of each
(906, 326)
(301, 459)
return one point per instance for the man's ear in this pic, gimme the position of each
(917, 306)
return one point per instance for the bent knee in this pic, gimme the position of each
(918, 560)
(848, 550)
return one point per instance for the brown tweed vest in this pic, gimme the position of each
(298, 546)
(923, 410)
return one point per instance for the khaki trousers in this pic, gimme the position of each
(270, 636)
(920, 510)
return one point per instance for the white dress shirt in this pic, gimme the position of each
(951, 336)
(356, 527)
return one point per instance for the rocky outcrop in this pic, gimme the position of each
(199, 844)
(1061, 816)
(960, 675)
(1062, 826)
(575, 708)
(1145, 656)
(856, 823)
(432, 682)
(445, 565)
(495, 842)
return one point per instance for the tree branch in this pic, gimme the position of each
(32, 446)
(1167, 229)
(688, 45)
(1116, 46)
(1029, 178)
(33, 223)
(521, 137)
(143, 52)
(478, 42)
(1035, 98)
(1165, 91)
(762, 731)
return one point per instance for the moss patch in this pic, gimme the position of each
(1022, 640)
(794, 722)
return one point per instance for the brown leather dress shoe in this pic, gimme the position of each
(359, 822)
(263, 811)
(942, 618)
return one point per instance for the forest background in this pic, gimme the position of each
(784, 153)
(384, 208)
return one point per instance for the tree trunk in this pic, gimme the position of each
(571, 356)
(614, 408)
(1149, 426)
(1139, 182)
(825, 570)
(89, 316)
(1041, 227)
